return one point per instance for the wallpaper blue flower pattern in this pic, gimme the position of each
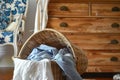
(8, 9)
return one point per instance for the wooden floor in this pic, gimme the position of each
(7, 74)
(99, 79)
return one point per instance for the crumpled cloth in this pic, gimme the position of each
(32, 70)
(41, 52)
(67, 64)
(62, 57)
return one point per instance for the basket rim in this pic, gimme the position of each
(47, 29)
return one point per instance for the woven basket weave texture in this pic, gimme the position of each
(56, 39)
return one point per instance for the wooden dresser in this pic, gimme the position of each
(93, 25)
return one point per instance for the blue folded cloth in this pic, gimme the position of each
(62, 57)
(41, 52)
(38, 56)
(67, 64)
(51, 50)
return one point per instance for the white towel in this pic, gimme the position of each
(41, 17)
(32, 70)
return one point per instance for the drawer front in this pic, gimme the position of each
(105, 9)
(103, 58)
(85, 25)
(103, 69)
(95, 41)
(67, 9)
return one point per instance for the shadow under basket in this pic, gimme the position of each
(56, 39)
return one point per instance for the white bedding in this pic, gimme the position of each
(32, 70)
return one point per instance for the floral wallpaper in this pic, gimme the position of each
(9, 10)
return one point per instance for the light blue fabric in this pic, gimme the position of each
(67, 64)
(62, 57)
(38, 54)
(42, 51)
(52, 50)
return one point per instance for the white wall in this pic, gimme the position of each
(6, 52)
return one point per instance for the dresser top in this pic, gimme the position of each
(84, 0)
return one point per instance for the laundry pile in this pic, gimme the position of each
(38, 66)
(32, 70)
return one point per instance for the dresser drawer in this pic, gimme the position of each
(103, 58)
(85, 25)
(95, 41)
(67, 9)
(103, 69)
(105, 9)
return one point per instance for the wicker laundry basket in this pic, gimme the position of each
(56, 39)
